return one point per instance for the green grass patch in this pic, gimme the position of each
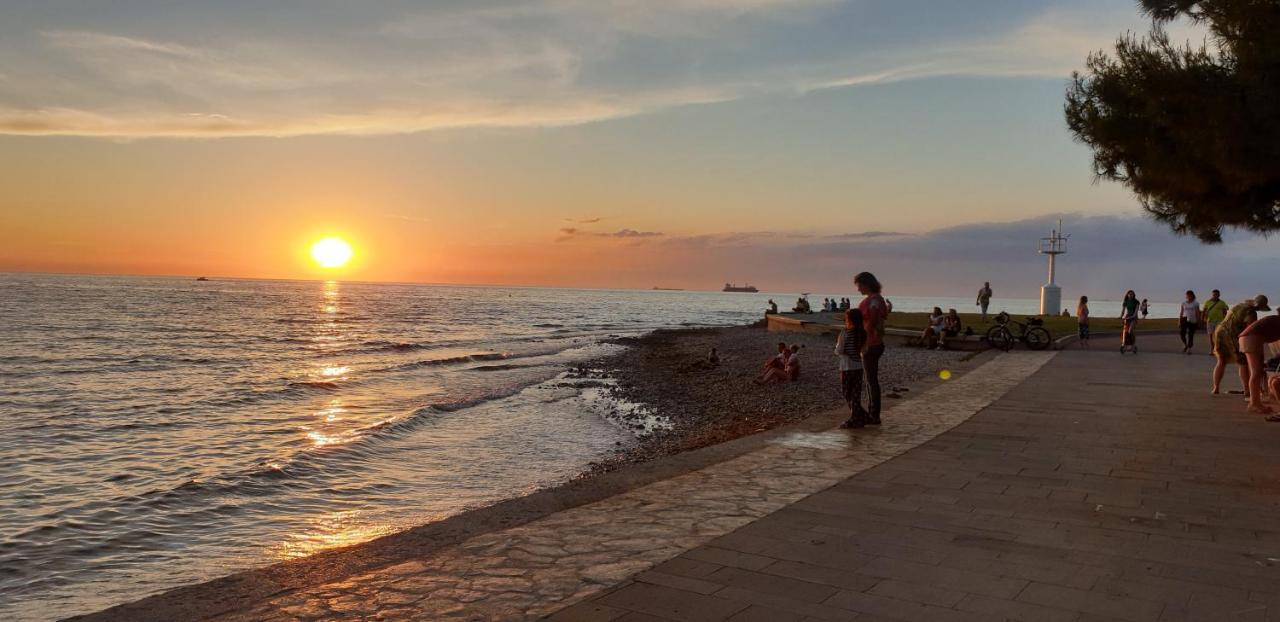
(1057, 326)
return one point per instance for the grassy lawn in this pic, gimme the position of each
(1057, 326)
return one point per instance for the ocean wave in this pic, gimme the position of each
(450, 360)
(327, 385)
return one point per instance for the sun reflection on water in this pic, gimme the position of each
(331, 531)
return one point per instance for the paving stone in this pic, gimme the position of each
(1118, 607)
(671, 603)
(917, 592)
(1001, 609)
(960, 580)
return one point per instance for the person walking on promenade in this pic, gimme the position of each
(1145, 307)
(1129, 317)
(1252, 340)
(1082, 318)
(849, 348)
(874, 309)
(1226, 346)
(1188, 322)
(984, 299)
(1215, 308)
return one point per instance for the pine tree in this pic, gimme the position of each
(1194, 132)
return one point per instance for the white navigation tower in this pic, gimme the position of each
(1050, 293)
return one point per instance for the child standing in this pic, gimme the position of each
(849, 348)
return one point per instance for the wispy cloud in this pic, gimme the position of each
(567, 233)
(506, 64)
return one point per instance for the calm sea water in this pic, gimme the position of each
(160, 431)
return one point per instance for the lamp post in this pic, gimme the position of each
(1050, 293)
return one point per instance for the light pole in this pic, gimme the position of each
(1050, 293)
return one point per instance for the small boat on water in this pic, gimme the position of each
(203, 278)
(730, 287)
(667, 289)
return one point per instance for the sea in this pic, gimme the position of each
(156, 432)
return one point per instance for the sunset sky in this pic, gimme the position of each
(602, 143)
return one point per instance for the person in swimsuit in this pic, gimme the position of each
(1252, 341)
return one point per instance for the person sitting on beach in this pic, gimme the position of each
(1226, 338)
(802, 305)
(951, 327)
(793, 364)
(773, 308)
(1252, 340)
(844, 304)
(849, 350)
(775, 367)
(933, 330)
(713, 358)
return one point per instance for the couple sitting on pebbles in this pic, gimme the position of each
(783, 366)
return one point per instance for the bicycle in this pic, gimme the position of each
(1032, 333)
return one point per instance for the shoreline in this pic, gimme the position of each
(714, 432)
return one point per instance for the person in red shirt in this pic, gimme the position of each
(1252, 340)
(874, 310)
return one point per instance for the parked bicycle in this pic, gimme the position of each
(1009, 331)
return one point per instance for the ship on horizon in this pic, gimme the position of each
(730, 287)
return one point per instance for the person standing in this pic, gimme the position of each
(984, 299)
(874, 310)
(1188, 322)
(1146, 306)
(1082, 317)
(1211, 315)
(1226, 344)
(849, 348)
(1129, 317)
(1252, 341)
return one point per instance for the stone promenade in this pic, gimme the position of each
(535, 569)
(1101, 488)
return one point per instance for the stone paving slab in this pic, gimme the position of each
(537, 568)
(1102, 488)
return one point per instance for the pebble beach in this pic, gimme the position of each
(665, 372)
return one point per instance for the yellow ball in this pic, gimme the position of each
(945, 374)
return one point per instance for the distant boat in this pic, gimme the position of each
(730, 287)
(202, 278)
(667, 289)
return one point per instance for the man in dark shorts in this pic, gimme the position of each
(1226, 338)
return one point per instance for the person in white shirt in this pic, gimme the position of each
(1188, 322)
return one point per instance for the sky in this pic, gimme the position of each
(592, 143)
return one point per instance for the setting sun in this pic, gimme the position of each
(331, 252)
